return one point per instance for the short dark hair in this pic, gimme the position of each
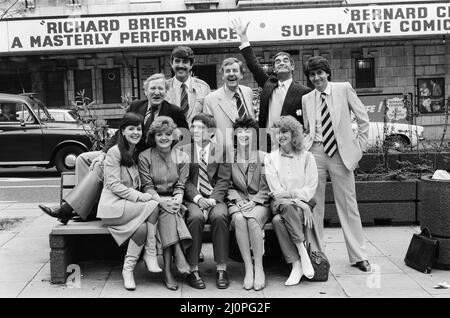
(284, 53)
(129, 119)
(206, 119)
(232, 60)
(316, 63)
(246, 123)
(182, 52)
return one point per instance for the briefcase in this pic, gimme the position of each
(422, 251)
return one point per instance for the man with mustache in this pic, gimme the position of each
(230, 102)
(186, 91)
(281, 95)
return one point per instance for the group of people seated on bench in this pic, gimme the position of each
(161, 179)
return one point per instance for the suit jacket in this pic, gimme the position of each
(224, 111)
(343, 99)
(219, 173)
(292, 103)
(140, 107)
(198, 91)
(120, 185)
(251, 185)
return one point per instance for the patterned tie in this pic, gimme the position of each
(329, 141)
(184, 103)
(149, 118)
(240, 106)
(204, 185)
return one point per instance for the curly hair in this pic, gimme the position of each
(160, 124)
(129, 119)
(289, 123)
(317, 63)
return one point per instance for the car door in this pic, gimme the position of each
(21, 138)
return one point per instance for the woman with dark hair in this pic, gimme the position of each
(249, 201)
(125, 210)
(291, 174)
(164, 171)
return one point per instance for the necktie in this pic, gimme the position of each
(240, 106)
(204, 185)
(149, 118)
(184, 103)
(329, 141)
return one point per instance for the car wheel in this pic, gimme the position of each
(396, 142)
(66, 156)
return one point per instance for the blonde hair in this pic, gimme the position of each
(289, 123)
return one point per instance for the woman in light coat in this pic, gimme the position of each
(124, 210)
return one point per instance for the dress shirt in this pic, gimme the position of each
(318, 102)
(177, 87)
(199, 156)
(276, 101)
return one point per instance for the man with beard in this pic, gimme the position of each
(230, 102)
(280, 95)
(186, 91)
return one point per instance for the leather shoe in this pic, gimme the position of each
(363, 265)
(222, 279)
(195, 280)
(201, 257)
(63, 213)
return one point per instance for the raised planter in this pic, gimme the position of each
(379, 203)
(434, 213)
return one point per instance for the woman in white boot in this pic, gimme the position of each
(248, 199)
(164, 171)
(291, 174)
(127, 212)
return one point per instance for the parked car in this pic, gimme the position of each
(63, 115)
(30, 136)
(397, 135)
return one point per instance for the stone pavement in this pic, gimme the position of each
(25, 268)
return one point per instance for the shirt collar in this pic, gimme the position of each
(177, 83)
(229, 93)
(287, 83)
(327, 91)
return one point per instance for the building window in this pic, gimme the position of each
(207, 73)
(83, 82)
(111, 86)
(55, 89)
(365, 72)
(73, 3)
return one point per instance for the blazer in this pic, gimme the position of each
(343, 99)
(140, 107)
(120, 185)
(292, 103)
(219, 173)
(198, 91)
(251, 185)
(224, 111)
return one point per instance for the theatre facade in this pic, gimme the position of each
(385, 50)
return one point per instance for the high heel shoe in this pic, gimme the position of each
(169, 285)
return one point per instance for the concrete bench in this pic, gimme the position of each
(78, 241)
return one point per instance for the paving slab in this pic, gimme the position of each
(8, 213)
(23, 273)
(390, 233)
(384, 286)
(394, 249)
(11, 289)
(428, 281)
(5, 236)
(338, 251)
(46, 290)
(379, 264)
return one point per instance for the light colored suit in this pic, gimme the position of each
(197, 93)
(224, 110)
(341, 100)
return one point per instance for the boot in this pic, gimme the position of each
(64, 212)
(133, 253)
(150, 255)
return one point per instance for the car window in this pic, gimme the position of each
(12, 112)
(57, 116)
(40, 110)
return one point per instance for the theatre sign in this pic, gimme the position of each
(204, 28)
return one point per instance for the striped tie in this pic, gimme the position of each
(240, 106)
(184, 103)
(204, 185)
(329, 141)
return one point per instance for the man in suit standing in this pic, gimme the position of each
(230, 102)
(83, 198)
(280, 95)
(337, 150)
(184, 90)
(208, 183)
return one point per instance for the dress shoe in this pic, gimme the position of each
(64, 212)
(195, 280)
(363, 265)
(201, 257)
(171, 286)
(222, 279)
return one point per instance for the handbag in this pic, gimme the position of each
(422, 251)
(320, 264)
